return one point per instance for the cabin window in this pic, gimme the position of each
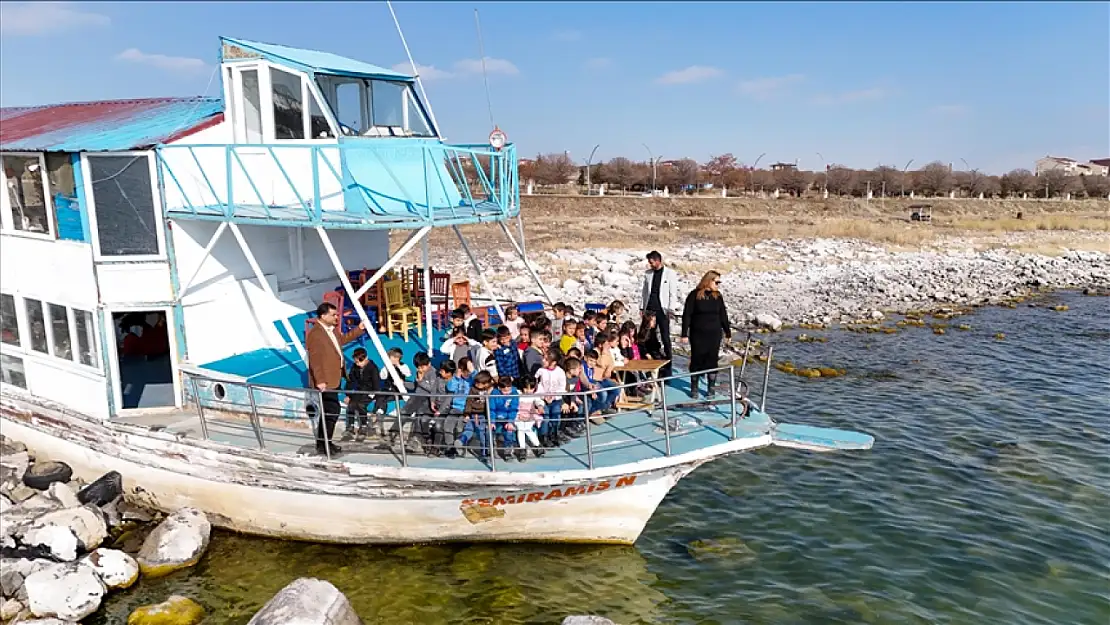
(59, 331)
(127, 220)
(85, 330)
(9, 320)
(387, 103)
(350, 109)
(416, 124)
(288, 105)
(12, 372)
(36, 320)
(25, 182)
(318, 123)
(252, 106)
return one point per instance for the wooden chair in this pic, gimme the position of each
(460, 294)
(416, 290)
(348, 318)
(372, 300)
(441, 302)
(399, 316)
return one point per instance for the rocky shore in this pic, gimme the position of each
(808, 280)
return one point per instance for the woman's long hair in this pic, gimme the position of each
(708, 285)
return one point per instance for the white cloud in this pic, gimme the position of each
(179, 64)
(567, 36)
(766, 88)
(45, 18)
(427, 72)
(493, 66)
(692, 74)
(599, 63)
(846, 97)
(950, 110)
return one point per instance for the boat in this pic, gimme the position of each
(161, 262)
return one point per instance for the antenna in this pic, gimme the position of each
(485, 77)
(415, 73)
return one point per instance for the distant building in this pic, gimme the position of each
(783, 166)
(1072, 167)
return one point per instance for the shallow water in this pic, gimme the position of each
(986, 499)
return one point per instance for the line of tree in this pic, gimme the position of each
(687, 176)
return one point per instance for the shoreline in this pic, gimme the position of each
(808, 280)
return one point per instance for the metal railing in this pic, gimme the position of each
(298, 405)
(383, 181)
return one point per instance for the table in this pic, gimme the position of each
(650, 370)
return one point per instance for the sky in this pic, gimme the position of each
(994, 84)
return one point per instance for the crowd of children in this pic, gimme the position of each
(540, 381)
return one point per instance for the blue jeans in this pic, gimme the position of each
(607, 395)
(552, 413)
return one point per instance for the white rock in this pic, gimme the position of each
(9, 609)
(5, 503)
(178, 542)
(115, 568)
(64, 494)
(13, 466)
(307, 601)
(47, 621)
(60, 541)
(877, 314)
(69, 592)
(571, 284)
(587, 620)
(767, 320)
(86, 523)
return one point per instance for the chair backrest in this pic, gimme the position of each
(460, 293)
(336, 299)
(441, 285)
(418, 280)
(595, 307)
(529, 307)
(357, 277)
(394, 297)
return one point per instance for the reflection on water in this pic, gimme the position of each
(985, 500)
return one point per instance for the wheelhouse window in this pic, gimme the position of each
(288, 105)
(25, 182)
(86, 337)
(388, 100)
(9, 320)
(375, 108)
(127, 219)
(59, 331)
(251, 106)
(36, 319)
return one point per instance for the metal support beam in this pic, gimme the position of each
(427, 295)
(388, 264)
(386, 362)
(527, 265)
(203, 257)
(266, 287)
(481, 276)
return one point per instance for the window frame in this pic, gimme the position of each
(156, 200)
(266, 104)
(19, 322)
(7, 220)
(23, 323)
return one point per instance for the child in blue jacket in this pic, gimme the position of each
(504, 403)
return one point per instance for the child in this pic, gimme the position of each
(524, 339)
(560, 310)
(459, 387)
(381, 403)
(581, 341)
(574, 405)
(362, 380)
(574, 352)
(458, 345)
(471, 323)
(506, 354)
(532, 359)
(590, 321)
(513, 321)
(474, 431)
(529, 417)
(616, 311)
(483, 356)
(551, 382)
(607, 393)
(419, 406)
(567, 341)
(651, 347)
(504, 404)
(570, 312)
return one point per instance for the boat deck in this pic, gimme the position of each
(624, 438)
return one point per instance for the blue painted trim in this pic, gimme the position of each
(317, 211)
(105, 358)
(341, 225)
(228, 210)
(175, 279)
(162, 165)
(200, 167)
(82, 200)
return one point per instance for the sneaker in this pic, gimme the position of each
(362, 433)
(334, 449)
(609, 411)
(538, 451)
(348, 435)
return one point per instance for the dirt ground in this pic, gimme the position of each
(575, 222)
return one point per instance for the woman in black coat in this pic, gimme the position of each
(704, 324)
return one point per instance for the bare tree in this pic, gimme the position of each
(719, 167)
(934, 179)
(1096, 186)
(686, 172)
(841, 180)
(621, 172)
(555, 169)
(792, 181)
(736, 178)
(1017, 182)
(885, 179)
(1055, 183)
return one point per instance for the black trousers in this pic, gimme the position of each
(325, 426)
(663, 322)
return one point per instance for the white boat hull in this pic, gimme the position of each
(307, 499)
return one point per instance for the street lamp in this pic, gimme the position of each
(588, 161)
(651, 161)
(904, 170)
(825, 186)
(751, 172)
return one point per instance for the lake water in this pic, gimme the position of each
(986, 499)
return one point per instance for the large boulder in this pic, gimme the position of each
(63, 494)
(11, 581)
(769, 321)
(85, 522)
(176, 610)
(307, 601)
(66, 591)
(115, 568)
(50, 541)
(178, 542)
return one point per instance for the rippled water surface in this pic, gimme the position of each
(986, 499)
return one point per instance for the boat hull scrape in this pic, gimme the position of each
(305, 498)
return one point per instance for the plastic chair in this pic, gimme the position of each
(399, 317)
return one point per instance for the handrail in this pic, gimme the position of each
(401, 420)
